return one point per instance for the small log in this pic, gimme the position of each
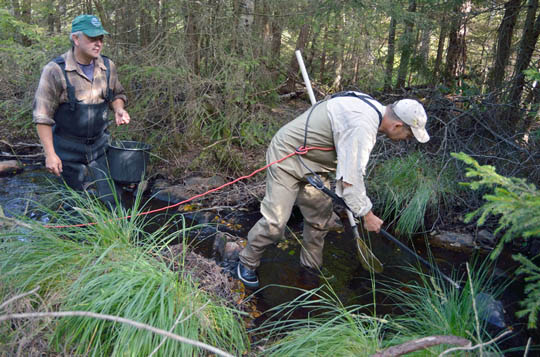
(422, 343)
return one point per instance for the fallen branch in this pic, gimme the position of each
(422, 343)
(17, 156)
(470, 348)
(139, 325)
(32, 145)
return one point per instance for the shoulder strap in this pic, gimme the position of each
(364, 98)
(70, 89)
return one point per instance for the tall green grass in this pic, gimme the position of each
(432, 306)
(330, 329)
(113, 267)
(407, 188)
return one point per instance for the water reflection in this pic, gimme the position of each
(19, 193)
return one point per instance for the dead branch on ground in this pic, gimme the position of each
(421, 344)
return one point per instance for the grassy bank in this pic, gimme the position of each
(114, 268)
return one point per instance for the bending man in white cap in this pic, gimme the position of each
(349, 122)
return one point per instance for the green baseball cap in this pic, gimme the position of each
(89, 25)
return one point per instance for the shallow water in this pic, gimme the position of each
(20, 193)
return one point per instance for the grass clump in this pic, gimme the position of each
(113, 267)
(408, 188)
(330, 329)
(432, 307)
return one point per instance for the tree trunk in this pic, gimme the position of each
(504, 43)
(192, 36)
(127, 22)
(356, 58)
(425, 44)
(145, 25)
(60, 13)
(88, 7)
(406, 45)
(293, 64)
(103, 15)
(16, 8)
(457, 50)
(264, 26)
(440, 50)
(312, 49)
(390, 55)
(277, 32)
(322, 71)
(52, 17)
(531, 31)
(26, 16)
(338, 69)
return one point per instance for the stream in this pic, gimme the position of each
(280, 267)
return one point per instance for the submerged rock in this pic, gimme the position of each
(486, 238)
(227, 247)
(453, 240)
(10, 167)
(491, 310)
(192, 186)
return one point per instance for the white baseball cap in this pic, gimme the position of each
(412, 113)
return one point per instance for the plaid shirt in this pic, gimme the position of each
(51, 91)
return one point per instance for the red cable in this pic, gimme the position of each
(300, 151)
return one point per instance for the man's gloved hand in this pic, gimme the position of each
(372, 223)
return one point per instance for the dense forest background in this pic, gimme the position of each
(224, 70)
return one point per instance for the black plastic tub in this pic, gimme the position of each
(127, 160)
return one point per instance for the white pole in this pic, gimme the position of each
(305, 76)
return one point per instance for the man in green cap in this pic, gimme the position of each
(71, 106)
